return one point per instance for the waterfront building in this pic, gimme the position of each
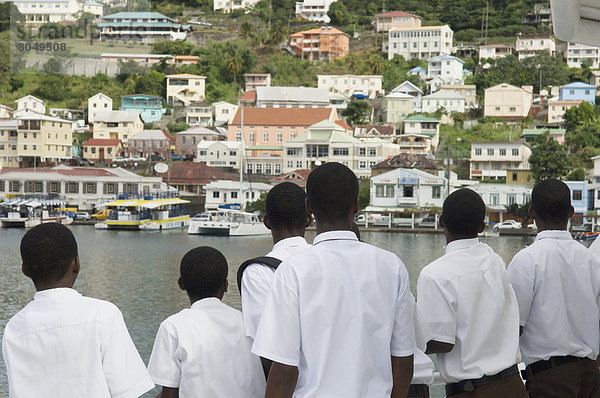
(444, 70)
(292, 97)
(405, 188)
(578, 91)
(150, 107)
(490, 160)
(313, 10)
(48, 11)
(467, 91)
(222, 193)
(275, 126)
(27, 104)
(327, 142)
(9, 138)
(507, 101)
(232, 5)
(397, 106)
(184, 88)
(150, 142)
(102, 150)
(364, 132)
(141, 26)
(186, 142)
(576, 54)
(556, 133)
(254, 80)
(81, 187)
(448, 100)
(198, 113)
(321, 44)
(497, 197)
(409, 88)
(98, 102)
(396, 19)
(419, 42)
(527, 45)
(6, 112)
(557, 108)
(495, 51)
(224, 112)
(347, 85)
(119, 125)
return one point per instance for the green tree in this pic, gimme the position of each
(338, 13)
(364, 193)
(247, 30)
(177, 47)
(357, 112)
(278, 33)
(152, 83)
(520, 211)
(234, 65)
(259, 205)
(52, 66)
(548, 158)
(376, 64)
(9, 13)
(577, 175)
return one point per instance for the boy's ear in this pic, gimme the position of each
(76, 265)
(225, 285)
(267, 222)
(482, 227)
(308, 221)
(180, 283)
(24, 271)
(441, 221)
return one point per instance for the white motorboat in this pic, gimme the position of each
(227, 222)
(29, 212)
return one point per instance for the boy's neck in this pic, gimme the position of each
(335, 225)
(194, 299)
(279, 235)
(40, 286)
(450, 237)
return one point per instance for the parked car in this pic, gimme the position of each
(508, 224)
(137, 159)
(427, 222)
(176, 157)
(372, 218)
(84, 162)
(82, 215)
(155, 157)
(119, 160)
(101, 215)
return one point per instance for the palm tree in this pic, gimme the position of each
(376, 64)
(278, 33)
(246, 30)
(234, 64)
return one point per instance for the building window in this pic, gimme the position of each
(490, 151)
(277, 168)
(436, 192)
(362, 164)
(266, 136)
(238, 136)
(384, 191)
(110, 188)
(514, 176)
(216, 194)
(234, 195)
(252, 136)
(511, 198)
(299, 164)
(408, 191)
(372, 151)
(290, 164)
(259, 168)
(502, 151)
(362, 151)
(515, 152)
(577, 194)
(279, 136)
(232, 153)
(73, 187)
(14, 186)
(340, 151)
(477, 151)
(316, 151)
(494, 199)
(294, 151)
(90, 187)
(512, 109)
(268, 168)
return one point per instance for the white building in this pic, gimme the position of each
(444, 69)
(231, 5)
(292, 97)
(348, 85)
(224, 112)
(397, 107)
(219, 153)
(577, 53)
(29, 103)
(81, 187)
(94, 8)
(396, 19)
(406, 188)
(448, 100)
(141, 26)
(313, 10)
(557, 108)
(490, 160)
(6, 112)
(498, 196)
(45, 11)
(422, 42)
(410, 89)
(508, 101)
(224, 192)
(184, 88)
(494, 51)
(198, 114)
(529, 45)
(327, 142)
(98, 102)
(467, 91)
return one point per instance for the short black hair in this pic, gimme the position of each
(331, 189)
(203, 271)
(551, 200)
(286, 206)
(464, 212)
(47, 251)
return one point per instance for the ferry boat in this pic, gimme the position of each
(27, 212)
(227, 222)
(150, 212)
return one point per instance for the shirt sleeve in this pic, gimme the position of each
(164, 366)
(523, 284)
(254, 297)
(278, 337)
(436, 307)
(403, 336)
(125, 372)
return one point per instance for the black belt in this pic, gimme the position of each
(552, 362)
(418, 390)
(472, 384)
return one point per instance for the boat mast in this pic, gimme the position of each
(241, 159)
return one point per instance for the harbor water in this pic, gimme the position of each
(138, 271)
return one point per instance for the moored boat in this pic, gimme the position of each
(27, 212)
(226, 222)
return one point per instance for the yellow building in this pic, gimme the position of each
(520, 177)
(43, 139)
(182, 89)
(8, 143)
(397, 107)
(117, 125)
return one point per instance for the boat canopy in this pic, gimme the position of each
(33, 202)
(147, 204)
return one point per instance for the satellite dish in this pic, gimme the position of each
(161, 167)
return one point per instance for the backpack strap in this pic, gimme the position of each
(271, 262)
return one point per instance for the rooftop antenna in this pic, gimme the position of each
(383, 7)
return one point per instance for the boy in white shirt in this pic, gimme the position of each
(557, 283)
(338, 321)
(466, 299)
(286, 217)
(63, 344)
(202, 351)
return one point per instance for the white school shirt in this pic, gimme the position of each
(423, 367)
(466, 299)
(557, 282)
(257, 279)
(338, 311)
(203, 351)
(63, 344)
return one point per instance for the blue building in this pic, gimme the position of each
(578, 91)
(150, 106)
(582, 199)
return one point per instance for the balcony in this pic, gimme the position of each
(27, 126)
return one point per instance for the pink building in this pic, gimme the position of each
(268, 129)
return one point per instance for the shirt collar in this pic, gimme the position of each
(56, 293)
(461, 244)
(206, 302)
(554, 234)
(290, 242)
(334, 235)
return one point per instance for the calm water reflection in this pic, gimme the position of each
(138, 271)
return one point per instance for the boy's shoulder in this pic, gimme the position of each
(202, 310)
